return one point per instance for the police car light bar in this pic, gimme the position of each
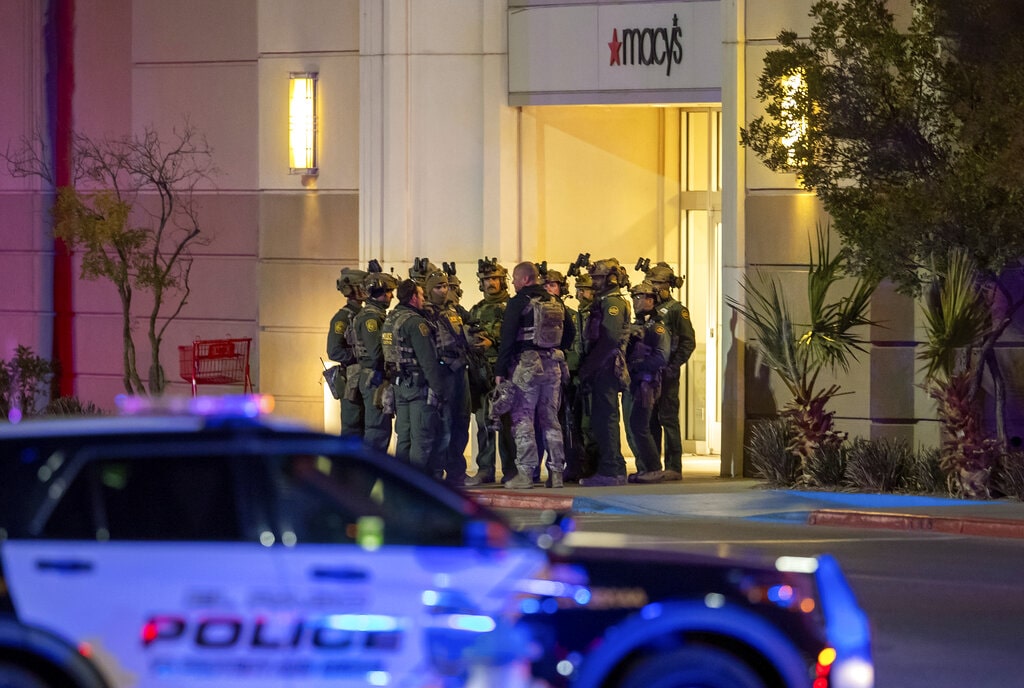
(234, 405)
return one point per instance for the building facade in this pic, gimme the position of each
(451, 129)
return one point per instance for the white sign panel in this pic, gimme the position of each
(630, 52)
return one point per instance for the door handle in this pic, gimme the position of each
(64, 565)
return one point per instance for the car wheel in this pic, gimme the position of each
(12, 676)
(692, 667)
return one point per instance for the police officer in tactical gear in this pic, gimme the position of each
(581, 462)
(603, 368)
(676, 317)
(486, 318)
(408, 343)
(365, 335)
(455, 291)
(350, 284)
(534, 334)
(646, 356)
(555, 283)
(452, 345)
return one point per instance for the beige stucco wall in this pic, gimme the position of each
(886, 399)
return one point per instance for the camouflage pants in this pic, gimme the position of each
(538, 377)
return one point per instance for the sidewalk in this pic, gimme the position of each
(702, 494)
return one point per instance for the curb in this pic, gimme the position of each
(522, 500)
(984, 527)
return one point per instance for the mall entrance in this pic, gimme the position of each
(634, 182)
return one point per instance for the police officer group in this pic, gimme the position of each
(543, 380)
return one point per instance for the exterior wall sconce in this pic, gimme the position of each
(302, 123)
(793, 102)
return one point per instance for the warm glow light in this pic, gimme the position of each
(796, 125)
(302, 123)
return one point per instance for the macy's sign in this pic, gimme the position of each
(650, 46)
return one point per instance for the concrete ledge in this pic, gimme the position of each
(508, 499)
(940, 524)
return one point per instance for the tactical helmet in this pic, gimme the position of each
(614, 274)
(559, 279)
(645, 288)
(662, 273)
(350, 282)
(454, 283)
(604, 267)
(434, 278)
(377, 282)
(490, 267)
(419, 269)
(584, 281)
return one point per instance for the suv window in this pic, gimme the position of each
(158, 498)
(328, 499)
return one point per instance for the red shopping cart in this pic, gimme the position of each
(216, 362)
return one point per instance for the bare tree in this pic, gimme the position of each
(131, 211)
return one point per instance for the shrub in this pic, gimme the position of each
(1009, 477)
(770, 459)
(879, 465)
(826, 467)
(925, 475)
(24, 382)
(72, 406)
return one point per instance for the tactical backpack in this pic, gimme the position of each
(548, 322)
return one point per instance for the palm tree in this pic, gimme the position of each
(957, 320)
(798, 353)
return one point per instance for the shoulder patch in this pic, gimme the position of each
(371, 325)
(613, 310)
(339, 327)
(685, 313)
(660, 329)
(424, 329)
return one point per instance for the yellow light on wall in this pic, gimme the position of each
(795, 123)
(302, 123)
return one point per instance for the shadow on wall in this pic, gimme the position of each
(759, 401)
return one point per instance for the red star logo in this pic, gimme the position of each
(614, 47)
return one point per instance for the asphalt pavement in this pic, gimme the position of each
(702, 494)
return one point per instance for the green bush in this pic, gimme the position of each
(24, 382)
(72, 406)
(879, 465)
(826, 466)
(1009, 475)
(25, 385)
(926, 475)
(769, 458)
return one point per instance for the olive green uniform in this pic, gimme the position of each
(487, 316)
(419, 383)
(452, 346)
(646, 355)
(347, 386)
(603, 372)
(367, 327)
(665, 420)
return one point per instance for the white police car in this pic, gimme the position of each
(222, 547)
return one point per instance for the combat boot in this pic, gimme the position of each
(555, 479)
(523, 480)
